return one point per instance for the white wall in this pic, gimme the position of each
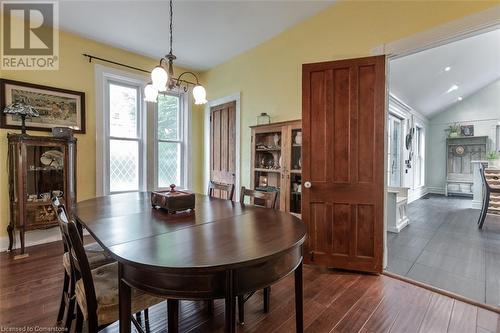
(482, 109)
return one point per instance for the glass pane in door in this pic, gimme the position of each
(44, 179)
(296, 172)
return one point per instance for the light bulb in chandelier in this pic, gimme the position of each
(150, 93)
(159, 77)
(199, 94)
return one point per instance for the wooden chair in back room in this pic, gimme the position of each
(222, 191)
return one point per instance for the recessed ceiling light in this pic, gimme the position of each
(452, 88)
(460, 98)
(447, 68)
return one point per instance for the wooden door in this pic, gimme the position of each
(343, 119)
(223, 145)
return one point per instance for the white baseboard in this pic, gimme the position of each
(34, 237)
(436, 190)
(476, 204)
(399, 227)
(417, 194)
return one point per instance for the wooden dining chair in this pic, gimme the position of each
(96, 257)
(269, 199)
(96, 290)
(228, 189)
(488, 192)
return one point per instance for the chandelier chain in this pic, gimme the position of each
(171, 25)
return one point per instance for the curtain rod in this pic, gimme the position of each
(91, 57)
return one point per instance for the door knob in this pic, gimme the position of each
(307, 184)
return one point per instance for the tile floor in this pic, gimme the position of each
(444, 248)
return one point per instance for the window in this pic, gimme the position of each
(419, 154)
(394, 151)
(140, 146)
(124, 139)
(170, 141)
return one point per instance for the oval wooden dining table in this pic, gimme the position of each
(222, 249)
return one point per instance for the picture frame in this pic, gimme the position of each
(467, 130)
(57, 107)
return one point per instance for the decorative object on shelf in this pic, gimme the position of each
(52, 158)
(38, 167)
(56, 107)
(163, 80)
(21, 110)
(263, 119)
(57, 193)
(276, 140)
(467, 130)
(62, 132)
(263, 181)
(459, 150)
(173, 200)
(298, 138)
(45, 196)
(454, 130)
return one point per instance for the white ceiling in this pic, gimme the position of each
(420, 80)
(206, 33)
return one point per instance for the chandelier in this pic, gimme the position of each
(164, 79)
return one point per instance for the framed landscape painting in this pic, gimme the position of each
(57, 107)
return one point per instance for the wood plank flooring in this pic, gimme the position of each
(333, 302)
(444, 248)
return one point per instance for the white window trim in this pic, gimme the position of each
(148, 117)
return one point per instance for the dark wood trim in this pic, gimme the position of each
(443, 292)
(3, 124)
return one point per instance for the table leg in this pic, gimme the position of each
(124, 294)
(173, 315)
(230, 303)
(299, 311)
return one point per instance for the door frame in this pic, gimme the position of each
(465, 27)
(236, 97)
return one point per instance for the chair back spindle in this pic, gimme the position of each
(79, 262)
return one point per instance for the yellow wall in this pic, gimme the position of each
(269, 75)
(76, 73)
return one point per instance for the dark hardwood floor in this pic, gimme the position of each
(444, 248)
(333, 302)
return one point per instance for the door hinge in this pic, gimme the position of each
(311, 255)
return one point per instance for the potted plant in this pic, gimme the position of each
(454, 130)
(493, 159)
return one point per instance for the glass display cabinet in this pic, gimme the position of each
(39, 168)
(276, 163)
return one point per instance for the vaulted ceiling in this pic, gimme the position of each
(432, 80)
(206, 33)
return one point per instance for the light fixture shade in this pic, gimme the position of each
(150, 93)
(159, 77)
(199, 94)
